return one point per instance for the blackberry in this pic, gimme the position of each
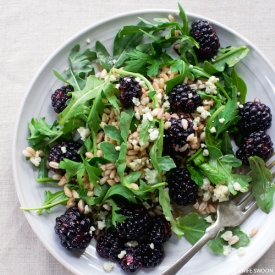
(159, 229)
(129, 88)
(255, 144)
(175, 138)
(202, 31)
(255, 116)
(152, 254)
(132, 259)
(73, 229)
(184, 99)
(66, 149)
(60, 97)
(182, 189)
(136, 224)
(109, 245)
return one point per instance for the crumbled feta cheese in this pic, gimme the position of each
(144, 101)
(241, 251)
(166, 104)
(117, 86)
(206, 184)
(101, 224)
(203, 145)
(208, 219)
(136, 101)
(117, 148)
(87, 209)
(108, 266)
(221, 193)
(221, 120)
(88, 41)
(112, 78)
(226, 250)
(151, 176)
(153, 133)
(200, 109)
(137, 79)
(213, 130)
(206, 196)
(167, 218)
(205, 153)
(237, 186)
(166, 97)
(210, 87)
(102, 214)
(131, 244)
(63, 149)
(147, 114)
(84, 133)
(137, 115)
(205, 114)
(190, 95)
(196, 120)
(35, 160)
(122, 254)
(227, 235)
(152, 246)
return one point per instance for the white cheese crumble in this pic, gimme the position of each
(84, 133)
(206, 184)
(153, 134)
(87, 209)
(221, 120)
(35, 160)
(213, 130)
(152, 246)
(227, 235)
(210, 87)
(147, 114)
(208, 219)
(112, 78)
(136, 101)
(241, 251)
(166, 104)
(226, 250)
(151, 176)
(144, 101)
(121, 254)
(63, 149)
(237, 186)
(117, 148)
(101, 224)
(88, 41)
(205, 153)
(221, 193)
(108, 266)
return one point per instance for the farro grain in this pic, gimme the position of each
(89, 155)
(233, 240)
(67, 191)
(56, 176)
(27, 154)
(81, 206)
(71, 202)
(53, 164)
(31, 151)
(103, 180)
(253, 232)
(63, 181)
(75, 194)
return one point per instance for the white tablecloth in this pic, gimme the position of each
(29, 32)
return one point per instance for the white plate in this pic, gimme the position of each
(260, 78)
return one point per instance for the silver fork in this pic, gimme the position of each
(229, 213)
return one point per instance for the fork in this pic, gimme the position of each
(229, 214)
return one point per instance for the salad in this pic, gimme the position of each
(148, 140)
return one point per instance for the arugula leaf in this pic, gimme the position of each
(100, 192)
(72, 168)
(93, 172)
(229, 56)
(132, 177)
(109, 151)
(79, 67)
(110, 93)
(112, 132)
(115, 216)
(124, 120)
(184, 18)
(262, 183)
(226, 146)
(144, 134)
(103, 57)
(193, 227)
(195, 174)
(240, 84)
(78, 103)
(121, 161)
(43, 170)
(164, 201)
(119, 189)
(166, 163)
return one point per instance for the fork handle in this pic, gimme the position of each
(210, 233)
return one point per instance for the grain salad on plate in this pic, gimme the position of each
(148, 140)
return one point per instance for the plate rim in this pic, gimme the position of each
(66, 43)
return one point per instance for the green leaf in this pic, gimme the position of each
(103, 57)
(132, 177)
(193, 227)
(184, 18)
(240, 85)
(79, 67)
(144, 134)
(93, 172)
(72, 168)
(166, 163)
(262, 183)
(121, 161)
(110, 93)
(123, 45)
(214, 175)
(112, 132)
(119, 189)
(78, 103)
(226, 146)
(43, 170)
(125, 119)
(116, 217)
(109, 151)
(196, 175)
(229, 56)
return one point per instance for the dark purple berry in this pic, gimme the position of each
(255, 116)
(129, 88)
(175, 138)
(152, 254)
(66, 149)
(184, 99)
(182, 189)
(73, 229)
(60, 97)
(202, 31)
(255, 144)
(136, 224)
(159, 229)
(132, 260)
(109, 245)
